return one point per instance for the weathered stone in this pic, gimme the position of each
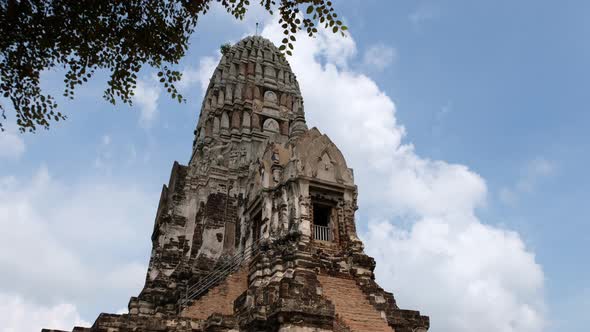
(257, 232)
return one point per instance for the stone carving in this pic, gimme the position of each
(233, 70)
(233, 159)
(270, 73)
(271, 125)
(224, 120)
(257, 106)
(258, 71)
(260, 170)
(273, 192)
(270, 97)
(255, 122)
(246, 121)
(216, 126)
(257, 93)
(281, 76)
(229, 96)
(235, 120)
(220, 98)
(249, 92)
(243, 157)
(207, 103)
(239, 94)
(284, 128)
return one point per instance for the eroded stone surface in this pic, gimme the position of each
(258, 177)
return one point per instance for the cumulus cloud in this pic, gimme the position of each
(69, 244)
(200, 75)
(431, 249)
(16, 315)
(471, 278)
(12, 145)
(379, 56)
(146, 96)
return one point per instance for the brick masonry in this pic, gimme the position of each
(220, 299)
(352, 305)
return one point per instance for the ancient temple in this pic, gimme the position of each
(257, 232)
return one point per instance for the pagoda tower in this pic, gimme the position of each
(257, 232)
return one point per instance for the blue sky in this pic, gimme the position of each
(489, 97)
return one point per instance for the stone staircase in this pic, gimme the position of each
(217, 275)
(352, 305)
(219, 299)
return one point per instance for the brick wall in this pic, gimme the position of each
(352, 306)
(219, 299)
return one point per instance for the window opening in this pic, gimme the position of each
(321, 214)
(322, 229)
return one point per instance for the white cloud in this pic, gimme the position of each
(146, 95)
(379, 56)
(12, 145)
(70, 243)
(17, 315)
(201, 75)
(471, 278)
(445, 262)
(122, 311)
(533, 172)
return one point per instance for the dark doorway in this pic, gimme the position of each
(321, 215)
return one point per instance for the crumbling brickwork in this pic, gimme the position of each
(219, 299)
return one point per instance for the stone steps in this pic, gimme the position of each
(352, 306)
(219, 299)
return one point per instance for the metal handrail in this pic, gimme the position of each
(224, 265)
(222, 270)
(218, 274)
(205, 283)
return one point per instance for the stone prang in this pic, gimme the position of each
(257, 232)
